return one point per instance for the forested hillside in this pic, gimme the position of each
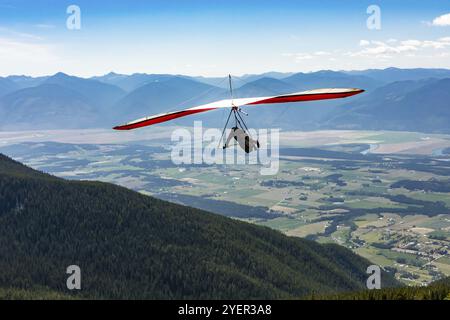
(438, 290)
(132, 246)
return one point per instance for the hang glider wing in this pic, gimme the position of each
(310, 95)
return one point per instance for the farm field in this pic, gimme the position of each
(385, 195)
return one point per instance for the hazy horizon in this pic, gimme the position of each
(205, 76)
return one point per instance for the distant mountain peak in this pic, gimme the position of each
(60, 74)
(112, 73)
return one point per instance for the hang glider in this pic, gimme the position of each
(236, 104)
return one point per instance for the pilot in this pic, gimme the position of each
(243, 138)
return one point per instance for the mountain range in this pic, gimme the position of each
(7, 86)
(129, 245)
(396, 74)
(422, 105)
(395, 99)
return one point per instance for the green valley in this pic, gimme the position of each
(129, 245)
(381, 194)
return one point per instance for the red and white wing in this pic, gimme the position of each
(310, 95)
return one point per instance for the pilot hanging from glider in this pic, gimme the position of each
(240, 131)
(243, 139)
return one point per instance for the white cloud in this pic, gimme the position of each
(442, 21)
(382, 53)
(14, 48)
(44, 26)
(415, 43)
(14, 33)
(299, 57)
(386, 50)
(322, 53)
(405, 48)
(303, 56)
(364, 43)
(24, 57)
(379, 49)
(435, 44)
(379, 43)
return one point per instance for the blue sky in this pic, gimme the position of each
(213, 38)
